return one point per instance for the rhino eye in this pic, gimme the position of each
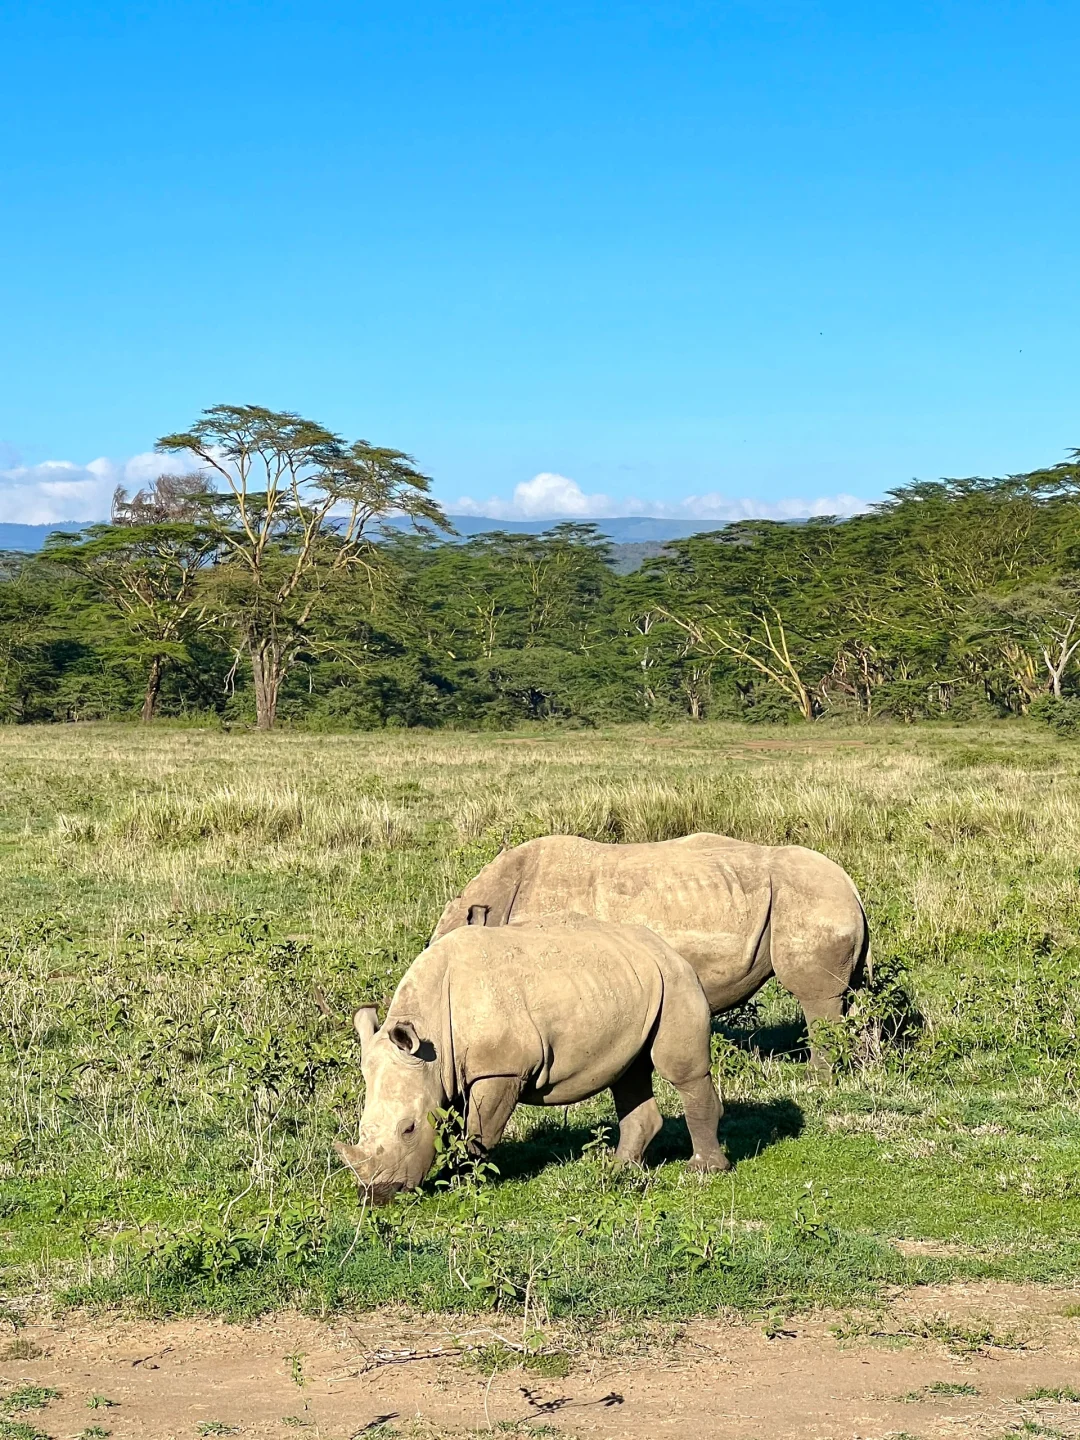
(409, 1128)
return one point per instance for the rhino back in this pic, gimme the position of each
(708, 897)
(565, 1005)
(723, 904)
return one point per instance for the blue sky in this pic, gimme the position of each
(688, 258)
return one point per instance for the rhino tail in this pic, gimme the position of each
(864, 970)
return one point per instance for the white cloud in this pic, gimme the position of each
(57, 490)
(543, 497)
(551, 497)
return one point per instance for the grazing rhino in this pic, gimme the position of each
(738, 912)
(544, 1013)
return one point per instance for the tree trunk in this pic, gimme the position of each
(803, 699)
(266, 675)
(153, 689)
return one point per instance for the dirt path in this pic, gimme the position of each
(904, 1373)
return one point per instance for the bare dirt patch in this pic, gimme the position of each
(951, 1361)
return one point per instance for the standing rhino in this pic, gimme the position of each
(738, 912)
(544, 1013)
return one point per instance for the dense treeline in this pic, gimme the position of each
(263, 588)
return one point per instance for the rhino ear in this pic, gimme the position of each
(403, 1034)
(365, 1023)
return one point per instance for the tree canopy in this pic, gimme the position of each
(266, 586)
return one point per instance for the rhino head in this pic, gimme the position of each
(404, 1084)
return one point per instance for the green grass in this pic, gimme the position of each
(174, 902)
(27, 1397)
(19, 1401)
(20, 1430)
(941, 1390)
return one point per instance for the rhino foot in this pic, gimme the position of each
(708, 1164)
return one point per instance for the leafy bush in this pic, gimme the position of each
(1062, 715)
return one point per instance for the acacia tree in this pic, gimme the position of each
(293, 523)
(747, 597)
(29, 624)
(144, 569)
(763, 643)
(1040, 619)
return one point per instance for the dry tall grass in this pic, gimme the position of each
(937, 827)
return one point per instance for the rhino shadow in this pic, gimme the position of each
(748, 1127)
(785, 1040)
(746, 1130)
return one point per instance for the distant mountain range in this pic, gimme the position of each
(32, 537)
(622, 530)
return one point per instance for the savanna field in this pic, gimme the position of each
(190, 917)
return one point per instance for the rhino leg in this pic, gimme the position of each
(831, 1008)
(639, 1115)
(681, 1054)
(702, 1108)
(822, 991)
(491, 1103)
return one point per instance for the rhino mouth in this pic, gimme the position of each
(376, 1185)
(381, 1192)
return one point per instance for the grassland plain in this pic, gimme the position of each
(189, 917)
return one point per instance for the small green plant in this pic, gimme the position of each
(216, 1427)
(457, 1162)
(809, 1220)
(525, 1428)
(967, 1339)
(941, 1389)
(700, 1244)
(1060, 1394)
(597, 1151)
(94, 1432)
(100, 1402)
(27, 1397)
(851, 1329)
(206, 1249)
(775, 1326)
(297, 1233)
(296, 1369)
(490, 1359)
(551, 1364)
(20, 1349)
(20, 1430)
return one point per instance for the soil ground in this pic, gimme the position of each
(377, 1374)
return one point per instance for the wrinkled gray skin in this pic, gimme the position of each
(738, 913)
(544, 1013)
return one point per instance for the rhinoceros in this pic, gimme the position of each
(543, 1013)
(738, 912)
